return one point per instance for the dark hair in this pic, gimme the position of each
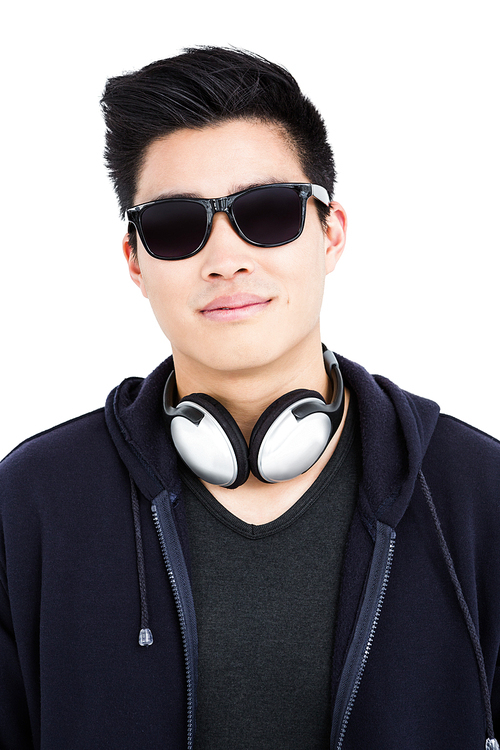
(206, 86)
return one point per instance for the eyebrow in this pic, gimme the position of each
(236, 189)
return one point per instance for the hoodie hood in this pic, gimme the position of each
(134, 417)
(396, 428)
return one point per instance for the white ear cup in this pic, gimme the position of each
(291, 446)
(205, 447)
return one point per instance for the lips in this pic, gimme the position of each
(234, 307)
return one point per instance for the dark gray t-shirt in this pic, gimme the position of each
(265, 599)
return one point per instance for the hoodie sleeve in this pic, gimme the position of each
(20, 571)
(495, 699)
(15, 733)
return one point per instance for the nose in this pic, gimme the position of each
(225, 255)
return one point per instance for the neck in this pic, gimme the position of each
(246, 393)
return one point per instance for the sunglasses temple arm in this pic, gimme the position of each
(321, 194)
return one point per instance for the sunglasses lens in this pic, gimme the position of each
(269, 215)
(174, 229)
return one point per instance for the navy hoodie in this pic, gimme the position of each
(418, 632)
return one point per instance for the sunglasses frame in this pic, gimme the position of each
(212, 206)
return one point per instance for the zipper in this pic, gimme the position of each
(364, 633)
(175, 564)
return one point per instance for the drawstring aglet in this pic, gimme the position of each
(145, 637)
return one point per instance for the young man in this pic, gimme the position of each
(253, 547)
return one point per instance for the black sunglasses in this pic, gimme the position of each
(265, 216)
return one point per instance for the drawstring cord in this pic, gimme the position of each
(491, 743)
(145, 634)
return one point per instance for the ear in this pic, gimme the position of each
(134, 268)
(335, 235)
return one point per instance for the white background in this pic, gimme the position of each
(409, 92)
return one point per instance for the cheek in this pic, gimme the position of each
(164, 292)
(309, 271)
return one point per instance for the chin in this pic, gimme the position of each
(236, 361)
(233, 356)
(238, 348)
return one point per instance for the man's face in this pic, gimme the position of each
(234, 306)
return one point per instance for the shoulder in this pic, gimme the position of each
(60, 439)
(460, 443)
(462, 467)
(64, 456)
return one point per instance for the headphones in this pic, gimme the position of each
(288, 438)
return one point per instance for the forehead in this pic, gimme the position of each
(217, 160)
